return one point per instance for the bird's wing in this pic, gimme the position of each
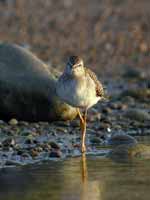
(98, 85)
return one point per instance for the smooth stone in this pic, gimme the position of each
(34, 153)
(137, 93)
(75, 123)
(54, 145)
(2, 122)
(55, 154)
(26, 132)
(27, 88)
(96, 140)
(137, 114)
(13, 163)
(130, 151)
(120, 139)
(132, 72)
(13, 122)
(9, 142)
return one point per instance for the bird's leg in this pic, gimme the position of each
(81, 119)
(83, 128)
(84, 132)
(84, 168)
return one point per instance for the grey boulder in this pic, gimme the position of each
(27, 88)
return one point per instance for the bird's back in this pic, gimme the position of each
(98, 85)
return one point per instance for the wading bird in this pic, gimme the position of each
(79, 87)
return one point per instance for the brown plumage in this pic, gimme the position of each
(79, 87)
(98, 85)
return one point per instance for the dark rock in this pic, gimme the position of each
(138, 94)
(30, 140)
(137, 114)
(120, 139)
(27, 88)
(55, 154)
(54, 145)
(13, 163)
(96, 140)
(130, 151)
(134, 73)
(34, 153)
(9, 142)
(107, 110)
(46, 147)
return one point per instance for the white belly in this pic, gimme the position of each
(78, 93)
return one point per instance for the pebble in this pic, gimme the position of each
(119, 139)
(107, 110)
(132, 72)
(13, 122)
(130, 151)
(27, 132)
(137, 114)
(96, 140)
(54, 145)
(9, 142)
(55, 154)
(75, 123)
(34, 153)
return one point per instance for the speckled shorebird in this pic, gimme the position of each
(79, 87)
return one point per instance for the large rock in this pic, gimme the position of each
(125, 151)
(27, 88)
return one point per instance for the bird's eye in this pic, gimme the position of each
(79, 65)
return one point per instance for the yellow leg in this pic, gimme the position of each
(83, 129)
(84, 168)
(84, 132)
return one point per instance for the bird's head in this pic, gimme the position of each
(75, 66)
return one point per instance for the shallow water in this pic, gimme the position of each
(79, 178)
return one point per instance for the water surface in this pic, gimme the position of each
(79, 178)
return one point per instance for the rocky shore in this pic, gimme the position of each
(127, 112)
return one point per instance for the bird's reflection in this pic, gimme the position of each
(84, 169)
(90, 189)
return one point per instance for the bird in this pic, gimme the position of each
(79, 87)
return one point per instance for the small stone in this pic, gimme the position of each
(31, 140)
(46, 147)
(9, 142)
(132, 72)
(39, 149)
(61, 129)
(137, 114)
(95, 140)
(94, 117)
(120, 139)
(34, 153)
(13, 122)
(107, 110)
(55, 154)
(20, 152)
(23, 123)
(13, 163)
(54, 145)
(75, 123)
(138, 94)
(26, 132)
(2, 122)
(62, 123)
(130, 151)
(104, 125)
